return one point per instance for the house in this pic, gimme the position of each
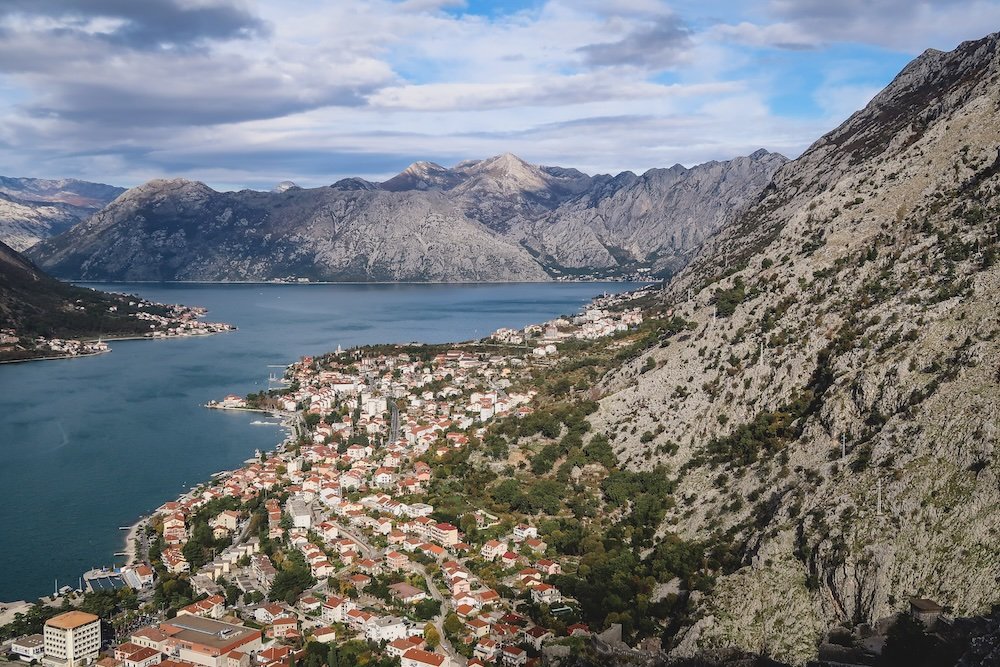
(144, 657)
(549, 567)
(478, 627)
(536, 545)
(138, 576)
(396, 561)
(283, 628)
(416, 657)
(268, 612)
(211, 607)
(29, 647)
(406, 593)
(324, 634)
(486, 650)
(225, 522)
(335, 609)
(310, 603)
(174, 560)
(493, 549)
(545, 594)
(444, 534)
(385, 629)
(578, 630)
(523, 531)
(513, 656)
(397, 647)
(535, 635)
(509, 559)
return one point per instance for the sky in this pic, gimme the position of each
(247, 93)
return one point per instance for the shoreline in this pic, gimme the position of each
(63, 356)
(115, 338)
(130, 537)
(289, 420)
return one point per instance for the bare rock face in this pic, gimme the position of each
(837, 409)
(656, 220)
(500, 219)
(184, 230)
(32, 209)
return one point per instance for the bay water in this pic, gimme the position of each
(88, 445)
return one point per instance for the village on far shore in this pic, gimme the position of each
(332, 541)
(152, 320)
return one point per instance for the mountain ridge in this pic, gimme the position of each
(470, 220)
(32, 209)
(833, 416)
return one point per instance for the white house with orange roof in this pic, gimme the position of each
(416, 657)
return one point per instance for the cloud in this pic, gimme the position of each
(250, 92)
(658, 44)
(143, 24)
(81, 77)
(908, 25)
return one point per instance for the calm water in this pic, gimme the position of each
(88, 445)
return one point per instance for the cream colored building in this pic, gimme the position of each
(73, 638)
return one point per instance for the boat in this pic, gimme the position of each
(258, 422)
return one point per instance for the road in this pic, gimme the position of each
(366, 549)
(394, 421)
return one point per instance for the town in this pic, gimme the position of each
(337, 540)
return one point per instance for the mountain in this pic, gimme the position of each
(32, 209)
(184, 230)
(658, 219)
(33, 303)
(500, 219)
(831, 419)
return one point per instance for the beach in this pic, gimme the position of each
(133, 533)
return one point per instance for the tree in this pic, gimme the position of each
(333, 657)
(452, 624)
(427, 609)
(431, 636)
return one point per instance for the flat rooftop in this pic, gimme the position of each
(29, 641)
(71, 620)
(207, 632)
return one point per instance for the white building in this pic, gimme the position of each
(385, 629)
(29, 647)
(72, 638)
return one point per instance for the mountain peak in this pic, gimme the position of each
(284, 186)
(423, 175)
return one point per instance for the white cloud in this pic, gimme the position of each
(317, 91)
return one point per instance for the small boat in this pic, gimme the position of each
(263, 423)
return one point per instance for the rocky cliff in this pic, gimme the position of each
(32, 209)
(655, 220)
(499, 219)
(184, 230)
(835, 415)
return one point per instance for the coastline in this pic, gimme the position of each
(130, 537)
(290, 423)
(115, 338)
(62, 356)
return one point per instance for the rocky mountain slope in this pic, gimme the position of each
(658, 219)
(35, 304)
(183, 230)
(835, 414)
(498, 219)
(32, 209)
